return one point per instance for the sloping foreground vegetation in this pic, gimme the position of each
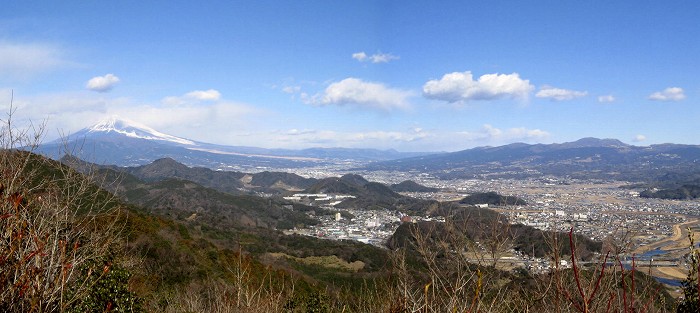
(68, 246)
(59, 239)
(438, 256)
(101, 255)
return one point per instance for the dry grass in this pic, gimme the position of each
(329, 261)
(56, 229)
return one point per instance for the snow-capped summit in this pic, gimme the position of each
(132, 129)
(119, 141)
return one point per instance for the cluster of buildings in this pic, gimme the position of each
(597, 209)
(318, 199)
(368, 226)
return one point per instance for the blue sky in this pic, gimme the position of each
(408, 75)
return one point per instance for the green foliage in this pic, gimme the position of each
(182, 230)
(491, 198)
(335, 185)
(375, 259)
(181, 199)
(109, 290)
(485, 226)
(685, 192)
(530, 240)
(312, 302)
(269, 179)
(54, 222)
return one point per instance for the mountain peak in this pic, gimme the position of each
(133, 129)
(596, 142)
(114, 123)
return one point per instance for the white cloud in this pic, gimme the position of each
(525, 133)
(102, 83)
(297, 132)
(388, 136)
(410, 139)
(40, 106)
(668, 94)
(360, 56)
(375, 58)
(204, 95)
(639, 138)
(353, 91)
(65, 113)
(193, 96)
(330, 138)
(558, 94)
(22, 60)
(383, 58)
(213, 122)
(461, 86)
(488, 133)
(291, 89)
(173, 101)
(606, 99)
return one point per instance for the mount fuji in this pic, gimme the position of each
(118, 141)
(118, 126)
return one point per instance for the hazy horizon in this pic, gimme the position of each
(100, 126)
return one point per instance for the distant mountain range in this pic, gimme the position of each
(121, 142)
(584, 158)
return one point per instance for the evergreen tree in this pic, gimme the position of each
(690, 283)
